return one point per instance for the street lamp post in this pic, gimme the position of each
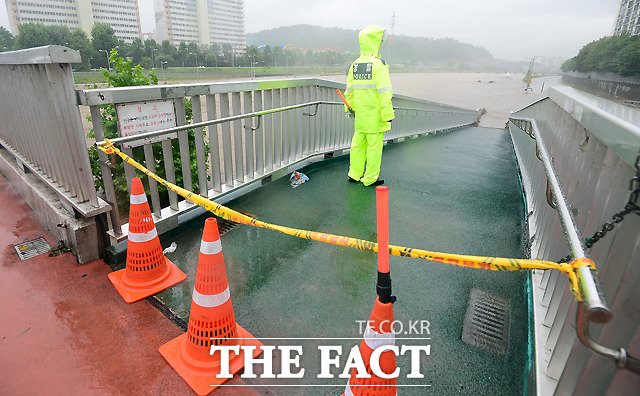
(162, 66)
(153, 57)
(196, 64)
(107, 54)
(253, 66)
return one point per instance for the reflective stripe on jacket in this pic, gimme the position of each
(369, 90)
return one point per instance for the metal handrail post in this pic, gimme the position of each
(237, 117)
(209, 122)
(622, 358)
(597, 309)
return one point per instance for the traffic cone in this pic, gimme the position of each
(379, 332)
(211, 322)
(147, 270)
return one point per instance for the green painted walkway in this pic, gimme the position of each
(455, 192)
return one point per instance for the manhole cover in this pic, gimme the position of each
(486, 324)
(32, 248)
(225, 226)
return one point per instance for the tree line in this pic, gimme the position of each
(149, 54)
(398, 50)
(618, 54)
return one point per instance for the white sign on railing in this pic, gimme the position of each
(142, 117)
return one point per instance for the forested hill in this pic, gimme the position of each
(307, 36)
(413, 51)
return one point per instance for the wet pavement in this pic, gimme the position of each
(455, 192)
(65, 330)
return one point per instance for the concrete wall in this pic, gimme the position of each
(613, 85)
(83, 236)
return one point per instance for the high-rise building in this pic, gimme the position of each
(628, 18)
(201, 22)
(121, 15)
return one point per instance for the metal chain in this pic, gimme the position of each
(566, 259)
(630, 207)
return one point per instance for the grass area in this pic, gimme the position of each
(248, 71)
(88, 78)
(179, 74)
(190, 73)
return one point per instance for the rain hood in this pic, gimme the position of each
(371, 38)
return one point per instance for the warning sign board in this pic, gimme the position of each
(137, 118)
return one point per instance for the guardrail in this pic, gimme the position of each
(576, 154)
(597, 310)
(41, 125)
(257, 131)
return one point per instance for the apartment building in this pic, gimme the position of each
(201, 22)
(628, 18)
(121, 15)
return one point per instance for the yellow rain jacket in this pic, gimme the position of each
(369, 90)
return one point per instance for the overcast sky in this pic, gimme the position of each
(509, 29)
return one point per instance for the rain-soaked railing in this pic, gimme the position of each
(589, 286)
(578, 157)
(255, 131)
(41, 125)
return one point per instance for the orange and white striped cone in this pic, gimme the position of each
(147, 270)
(378, 334)
(211, 322)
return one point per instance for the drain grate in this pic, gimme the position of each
(486, 324)
(32, 248)
(225, 226)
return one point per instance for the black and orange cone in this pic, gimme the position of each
(379, 332)
(147, 270)
(211, 322)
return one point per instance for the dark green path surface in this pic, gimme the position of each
(456, 192)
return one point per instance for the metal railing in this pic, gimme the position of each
(41, 125)
(576, 155)
(256, 131)
(597, 310)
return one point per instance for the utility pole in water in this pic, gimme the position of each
(392, 48)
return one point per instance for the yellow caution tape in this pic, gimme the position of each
(487, 263)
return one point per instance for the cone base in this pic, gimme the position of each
(132, 293)
(201, 376)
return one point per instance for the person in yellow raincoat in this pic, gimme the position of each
(369, 94)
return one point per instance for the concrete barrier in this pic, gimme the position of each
(82, 235)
